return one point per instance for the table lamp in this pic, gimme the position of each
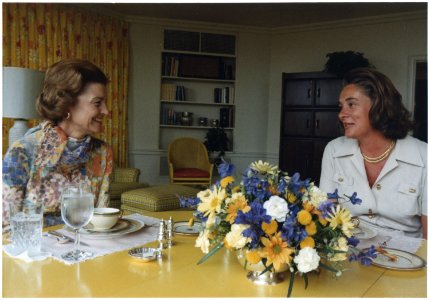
(20, 89)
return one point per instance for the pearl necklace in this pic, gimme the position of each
(374, 160)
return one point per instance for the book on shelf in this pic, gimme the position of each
(170, 117)
(170, 65)
(224, 95)
(172, 92)
(226, 117)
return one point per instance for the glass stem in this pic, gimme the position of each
(77, 237)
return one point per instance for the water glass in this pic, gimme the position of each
(26, 222)
(77, 208)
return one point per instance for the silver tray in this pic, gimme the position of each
(144, 254)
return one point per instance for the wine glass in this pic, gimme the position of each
(77, 207)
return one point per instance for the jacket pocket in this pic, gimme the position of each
(407, 195)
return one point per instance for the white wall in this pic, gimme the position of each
(388, 43)
(262, 56)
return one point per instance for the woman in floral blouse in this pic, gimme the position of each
(61, 150)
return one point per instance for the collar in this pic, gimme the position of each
(406, 150)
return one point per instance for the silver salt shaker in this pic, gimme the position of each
(169, 231)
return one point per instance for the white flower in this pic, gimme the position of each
(277, 208)
(203, 241)
(316, 196)
(264, 167)
(307, 260)
(235, 238)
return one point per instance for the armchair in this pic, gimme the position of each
(189, 162)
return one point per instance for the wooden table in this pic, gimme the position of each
(177, 275)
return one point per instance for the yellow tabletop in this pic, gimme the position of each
(178, 275)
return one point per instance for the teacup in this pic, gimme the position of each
(105, 217)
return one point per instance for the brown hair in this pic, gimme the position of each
(387, 114)
(64, 81)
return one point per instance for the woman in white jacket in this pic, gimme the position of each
(376, 158)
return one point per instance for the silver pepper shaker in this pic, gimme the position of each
(162, 236)
(169, 230)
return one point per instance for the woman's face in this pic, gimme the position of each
(354, 112)
(88, 113)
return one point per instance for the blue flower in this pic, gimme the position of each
(255, 217)
(354, 199)
(333, 195)
(225, 169)
(282, 185)
(353, 241)
(292, 231)
(190, 202)
(295, 185)
(326, 207)
(364, 257)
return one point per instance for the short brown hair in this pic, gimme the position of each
(64, 81)
(387, 114)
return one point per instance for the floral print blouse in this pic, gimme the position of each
(37, 166)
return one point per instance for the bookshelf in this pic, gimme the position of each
(197, 84)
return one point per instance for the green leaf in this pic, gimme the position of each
(290, 286)
(210, 253)
(324, 266)
(305, 277)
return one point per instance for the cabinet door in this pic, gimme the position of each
(327, 91)
(296, 156)
(298, 123)
(298, 92)
(327, 124)
(318, 151)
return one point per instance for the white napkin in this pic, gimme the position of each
(391, 239)
(100, 247)
(25, 256)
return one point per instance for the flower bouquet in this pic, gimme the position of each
(277, 221)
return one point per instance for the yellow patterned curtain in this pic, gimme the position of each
(37, 35)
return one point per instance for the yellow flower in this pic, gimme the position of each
(253, 257)
(270, 228)
(237, 202)
(307, 242)
(291, 198)
(342, 245)
(322, 220)
(304, 217)
(226, 181)
(341, 217)
(276, 251)
(264, 167)
(308, 207)
(236, 189)
(311, 228)
(211, 203)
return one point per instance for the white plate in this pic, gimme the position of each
(134, 225)
(364, 233)
(405, 260)
(182, 227)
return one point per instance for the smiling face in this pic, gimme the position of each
(88, 113)
(354, 112)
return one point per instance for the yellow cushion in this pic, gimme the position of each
(117, 188)
(156, 198)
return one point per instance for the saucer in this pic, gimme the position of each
(363, 233)
(182, 227)
(120, 225)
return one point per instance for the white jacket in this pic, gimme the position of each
(399, 195)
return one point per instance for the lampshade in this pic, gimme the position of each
(20, 89)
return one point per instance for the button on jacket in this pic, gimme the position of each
(399, 195)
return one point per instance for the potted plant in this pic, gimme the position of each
(216, 140)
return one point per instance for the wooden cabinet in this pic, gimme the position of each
(309, 120)
(197, 77)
